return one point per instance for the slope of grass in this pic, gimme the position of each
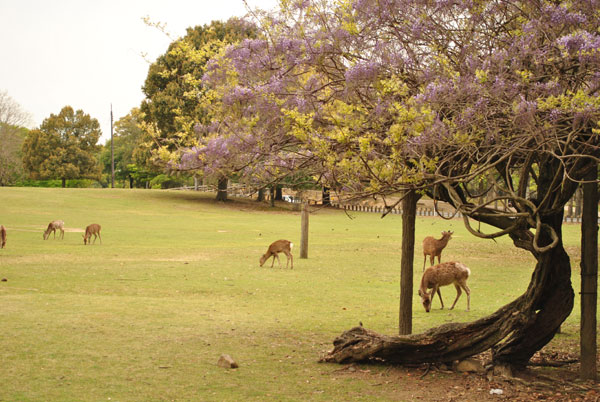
(176, 283)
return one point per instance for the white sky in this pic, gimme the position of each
(88, 53)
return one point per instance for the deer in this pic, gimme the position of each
(52, 227)
(433, 247)
(2, 236)
(447, 273)
(93, 229)
(279, 246)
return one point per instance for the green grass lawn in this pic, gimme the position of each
(145, 315)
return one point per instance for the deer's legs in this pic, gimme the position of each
(458, 293)
(435, 290)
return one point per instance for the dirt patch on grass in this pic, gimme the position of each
(552, 376)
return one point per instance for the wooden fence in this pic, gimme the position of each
(242, 191)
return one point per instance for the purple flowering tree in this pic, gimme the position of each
(388, 96)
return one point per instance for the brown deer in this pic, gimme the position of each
(280, 246)
(2, 236)
(52, 227)
(433, 247)
(93, 229)
(448, 273)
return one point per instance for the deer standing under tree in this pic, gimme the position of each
(280, 246)
(433, 247)
(93, 229)
(53, 226)
(448, 273)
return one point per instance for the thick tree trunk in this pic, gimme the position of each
(222, 189)
(279, 193)
(523, 326)
(409, 213)
(261, 195)
(589, 277)
(64, 182)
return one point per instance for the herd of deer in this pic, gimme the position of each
(434, 277)
(90, 230)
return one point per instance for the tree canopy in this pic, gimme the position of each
(429, 96)
(64, 147)
(13, 120)
(174, 95)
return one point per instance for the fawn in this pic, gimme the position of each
(2, 236)
(52, 226)
(433, 247)
(441, 275)
(93, 229)
(280, 246)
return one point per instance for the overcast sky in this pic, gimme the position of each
(89, 53)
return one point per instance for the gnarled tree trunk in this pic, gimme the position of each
(516, 331)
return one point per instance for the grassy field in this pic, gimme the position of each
(145, 315)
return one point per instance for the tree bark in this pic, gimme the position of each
(261, 195)
(326, 196)
(222, 189)
(64, 182)
(409, 213)
(589, 277)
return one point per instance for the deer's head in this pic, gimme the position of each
(425, 299)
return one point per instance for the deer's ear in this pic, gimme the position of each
(420, 293)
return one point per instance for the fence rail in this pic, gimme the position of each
(242, 191)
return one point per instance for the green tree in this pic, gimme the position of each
(176, 101)
(130, 151)
(12, 133)
(64, 147)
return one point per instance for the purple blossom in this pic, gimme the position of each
(365, 71)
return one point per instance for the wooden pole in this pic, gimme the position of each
(589, 277)
(304, 228)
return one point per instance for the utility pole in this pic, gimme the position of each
(112, 151)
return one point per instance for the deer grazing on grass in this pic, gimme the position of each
(280, 246)
(52, 227)
(433, 247)
(93, 229)
(448, 273)
(2, 236)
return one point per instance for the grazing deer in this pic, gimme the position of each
(2, 236)
(280, 246)
(52, 226)
(444, 274)
(433, 247)
(93, 229)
